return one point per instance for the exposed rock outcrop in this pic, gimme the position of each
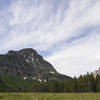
(27, 63)
(97, 72)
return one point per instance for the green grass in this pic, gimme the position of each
(49, 96)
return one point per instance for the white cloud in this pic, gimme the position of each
(37, 22)
(82, 57)
(48, 23)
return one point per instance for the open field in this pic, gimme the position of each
(49, 96)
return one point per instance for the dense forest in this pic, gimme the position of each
(85, 83)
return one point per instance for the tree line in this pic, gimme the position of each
(84, 83)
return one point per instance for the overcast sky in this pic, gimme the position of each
(64, 32)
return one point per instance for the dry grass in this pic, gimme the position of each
(49, 96)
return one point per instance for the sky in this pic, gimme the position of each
(65, 32)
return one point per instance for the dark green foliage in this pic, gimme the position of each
(54, 86)
(85, 83)
(98, 83)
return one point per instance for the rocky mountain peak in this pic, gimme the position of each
(28, 54)
(27, 51)
(27, 63)
(97, 72)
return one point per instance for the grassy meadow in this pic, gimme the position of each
(49, 96)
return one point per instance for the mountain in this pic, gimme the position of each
(28, 64)
(97, 72)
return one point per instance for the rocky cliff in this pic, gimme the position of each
(27, 63)
(97, 72)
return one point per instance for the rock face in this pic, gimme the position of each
(27, 63)
(97, 72)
